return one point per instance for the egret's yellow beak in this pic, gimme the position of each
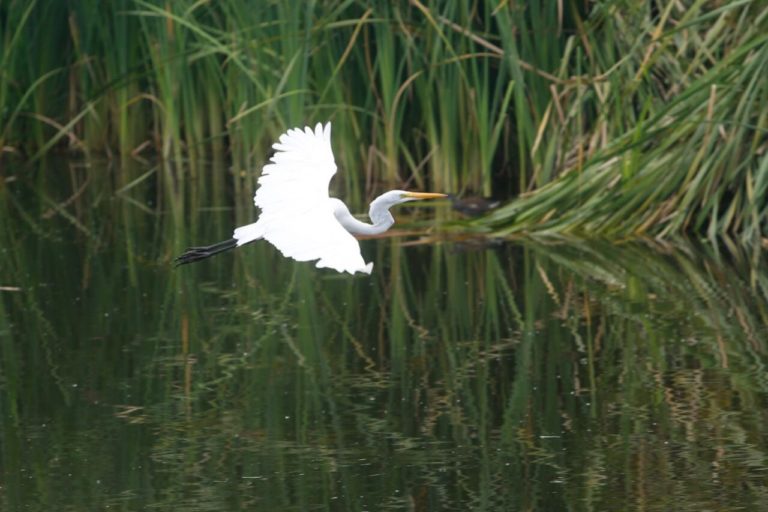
(424, 195)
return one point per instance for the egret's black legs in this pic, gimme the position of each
(200, 253)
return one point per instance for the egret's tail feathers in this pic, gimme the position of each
(249, 233)
(194, 254)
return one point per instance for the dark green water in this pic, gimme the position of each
(521, 376)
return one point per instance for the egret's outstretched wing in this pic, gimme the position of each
(296, 212)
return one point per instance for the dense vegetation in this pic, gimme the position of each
(607, 118)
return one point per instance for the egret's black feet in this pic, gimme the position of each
(194, 254)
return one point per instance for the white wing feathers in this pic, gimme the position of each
(296, 212)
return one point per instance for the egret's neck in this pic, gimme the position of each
(378, 212)
(380, 216)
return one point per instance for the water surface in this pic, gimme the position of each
(459, 376)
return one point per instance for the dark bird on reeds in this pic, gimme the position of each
(297, 214)
(473, 206)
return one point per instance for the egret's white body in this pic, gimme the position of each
(297, 214)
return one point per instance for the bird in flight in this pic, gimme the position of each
(297, 214)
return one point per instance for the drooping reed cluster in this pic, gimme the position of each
(609, 118)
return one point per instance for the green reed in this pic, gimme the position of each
(416, 93)
(605, 119)
(673, 129)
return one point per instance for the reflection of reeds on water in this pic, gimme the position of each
(524, 375)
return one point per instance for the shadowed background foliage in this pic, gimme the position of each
(608, 118)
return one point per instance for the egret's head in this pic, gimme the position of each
(379, 211)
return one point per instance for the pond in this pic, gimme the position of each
(463, 374)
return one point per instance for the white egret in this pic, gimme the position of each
(297, 214)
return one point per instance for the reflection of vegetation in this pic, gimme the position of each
(534, 376)
(643, 117)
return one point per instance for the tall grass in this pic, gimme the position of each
(608, 119)
(666, 133)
